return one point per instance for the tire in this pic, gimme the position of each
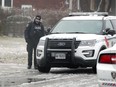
(73, 66)
(45, 69)
(94, 69)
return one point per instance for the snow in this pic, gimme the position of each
(13, 50)
(13, 72)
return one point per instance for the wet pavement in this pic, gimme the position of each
(14, 72)
(13, 81)
(16, 75)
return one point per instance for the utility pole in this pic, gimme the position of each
(2, 3)
(78, 5)
(70, 5)
(115, 8)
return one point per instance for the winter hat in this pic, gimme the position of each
(38, 17)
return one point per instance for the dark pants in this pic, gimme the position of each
(30, 49)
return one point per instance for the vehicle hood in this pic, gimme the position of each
(71, 36)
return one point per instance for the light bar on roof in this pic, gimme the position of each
(88, 13)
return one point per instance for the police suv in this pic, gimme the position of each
(76, 41)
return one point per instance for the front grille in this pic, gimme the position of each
(61, 44)
(56, 48)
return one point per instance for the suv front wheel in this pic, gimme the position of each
(45, 69)
(94, 69)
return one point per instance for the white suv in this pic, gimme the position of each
(76, 41)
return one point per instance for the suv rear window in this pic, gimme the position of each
(78, 26)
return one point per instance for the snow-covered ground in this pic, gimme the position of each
(13, 71)
(16, 75)
(13, 50)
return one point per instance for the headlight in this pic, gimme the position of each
(39, 52)
(41, 42)
(88, 53)
(88, 43)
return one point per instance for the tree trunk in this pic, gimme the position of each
(85, 5)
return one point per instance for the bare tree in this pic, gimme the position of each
(85, 5)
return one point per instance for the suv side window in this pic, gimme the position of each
(114, 23)
(109, 25)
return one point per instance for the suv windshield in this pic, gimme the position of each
(78, 26)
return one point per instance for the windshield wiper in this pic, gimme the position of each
(60, 32)
(76, 32)
(55, 32)
(67, 32)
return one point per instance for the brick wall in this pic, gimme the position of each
(41, 4)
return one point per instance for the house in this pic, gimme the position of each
(6, 3)
(36, 4)
(85, 5)
(40, 4)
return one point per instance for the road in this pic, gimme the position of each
(16, 75)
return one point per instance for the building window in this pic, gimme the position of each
(7, 3)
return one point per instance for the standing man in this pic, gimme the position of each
(34, 30)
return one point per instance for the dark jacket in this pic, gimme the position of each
(33, 32)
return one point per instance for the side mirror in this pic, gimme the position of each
(108, 31)
(48, 31)
(112, 32)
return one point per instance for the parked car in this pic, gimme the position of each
(76, 41)
(106, 67)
